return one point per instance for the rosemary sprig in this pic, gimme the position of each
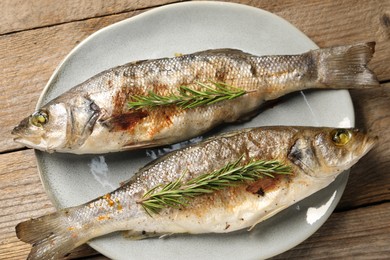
(177, 193)
(187, 97)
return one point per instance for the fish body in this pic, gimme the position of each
(94, 117)
(315, 156)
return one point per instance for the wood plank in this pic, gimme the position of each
(369, 180)
(29, 58)
(20, 15)
(357, 234)
(22, 197)
(330, 23)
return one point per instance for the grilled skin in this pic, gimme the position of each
(94, 116)
(316, 156)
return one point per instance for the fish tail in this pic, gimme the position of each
(345, 66)
(49, 235)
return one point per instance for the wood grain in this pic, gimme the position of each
(369, 180)
(330, 23)
(358, 234)
(36, 35)
(20, 15)
(21, 197)
(28, 58)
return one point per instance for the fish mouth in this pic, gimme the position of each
(21, 140)
(21, 127)
(16, 131)
(28, 141)
(19, 135)
(368, 143)
(23, 136)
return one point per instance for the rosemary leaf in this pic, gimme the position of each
(187, 97)
(177, 193)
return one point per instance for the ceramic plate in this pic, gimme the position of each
(184, 28)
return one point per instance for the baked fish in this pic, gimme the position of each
(111, 111)
(216, 177)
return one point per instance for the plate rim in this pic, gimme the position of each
(151, 12)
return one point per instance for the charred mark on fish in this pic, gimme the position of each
(227, 226)
(128, 120)
(110, 84)
(264, 185)
(159, 88)
(125, 121)
(220, 75)
(261, 192)
(253, 70)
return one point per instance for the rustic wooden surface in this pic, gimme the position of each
(35, 35)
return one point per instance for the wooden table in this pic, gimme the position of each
(35, 35)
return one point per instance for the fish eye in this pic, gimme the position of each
(39, 118)
(341, 136)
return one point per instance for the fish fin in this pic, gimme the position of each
(345, 66)
(247, 117)
(140, 145)
(166, 235)
(271, 214)
(49, 236)
(224, 51)
(138, 235)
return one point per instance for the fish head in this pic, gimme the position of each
(62, 125)
(326, 152)
(45, 129)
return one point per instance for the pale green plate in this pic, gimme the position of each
(184, 28)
